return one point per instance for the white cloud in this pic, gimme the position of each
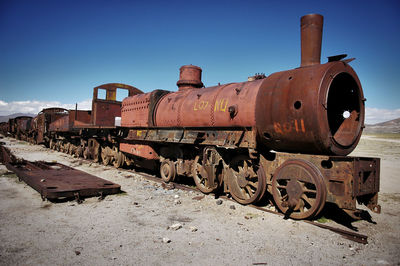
(376, 115)
(34, 107)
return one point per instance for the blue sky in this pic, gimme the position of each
(55, 52)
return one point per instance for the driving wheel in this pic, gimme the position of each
(298, 189)
(200, 177)
(245, 183)
(105, 155)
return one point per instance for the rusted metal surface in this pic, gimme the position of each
(346, 180)
(6, 156)
(55, 181)
(189, 78)
(315, 109)
(311, 39)
(43, 120)
(141, 150)
(246, 183)
(20, 126)
(298, 189)
(230, 105)
(137, 111)
(71, 120)
(105, 110)
(306, 112)
(233, 138)
(4, 128)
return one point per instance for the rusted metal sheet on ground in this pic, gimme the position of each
(57, 181)
(5, 155)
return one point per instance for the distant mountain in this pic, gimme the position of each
(6, 117)
(392, 126)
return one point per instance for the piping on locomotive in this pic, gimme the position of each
(286, 135)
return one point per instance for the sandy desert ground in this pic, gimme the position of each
(134, 227)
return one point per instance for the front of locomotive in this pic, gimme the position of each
(316, 108)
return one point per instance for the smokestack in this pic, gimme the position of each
(189, 77)
(311, 39)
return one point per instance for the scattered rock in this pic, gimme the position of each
(166, 240)
(175, 227)
(232, 207)
(219, 202)
(176, 196)
(78, 251)
(177, 202)
(193, 229)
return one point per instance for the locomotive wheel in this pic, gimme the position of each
(200, 178)
(96, 154)
(105, 155)
(71, 149)
(51, 144)
(119, 158)
(61, 146)
(58, 146)
(86, 153)
(245, 185)
(66, 147)
(167, 171)
(298, 189)
(78, 151)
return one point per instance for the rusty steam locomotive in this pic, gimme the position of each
(286, 135)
